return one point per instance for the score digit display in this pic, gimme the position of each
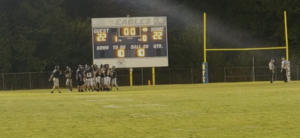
(129, 31)
(101, 37)
(130, 42)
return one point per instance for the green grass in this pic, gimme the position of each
(189, 111)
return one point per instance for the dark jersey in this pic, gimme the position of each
(89, 74)
(68, 74)
(79, 72)
(114, 74)
(97, 73)
(56, 73)
(106, 73)
(102, 73)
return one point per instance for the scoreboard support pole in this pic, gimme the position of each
(130, 76)
(153, 76)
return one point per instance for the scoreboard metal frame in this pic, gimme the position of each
(130, 42)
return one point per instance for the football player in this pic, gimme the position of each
(114, 78)
(55, 77)
(84, 76)
(97, 77)
(68, 75)
(89, 78)
(102, 77)
(107, 77)
(79, 78)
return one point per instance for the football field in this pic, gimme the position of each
(252, 110)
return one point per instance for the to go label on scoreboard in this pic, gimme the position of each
(117, 47)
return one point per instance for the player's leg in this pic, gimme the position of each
(284, 75)
(57, 87)
(271, 73)
(90, 84)
(102, 83)
(54, 85)
(81, 87)
(111, 83)
(53, 88)
(71, 84)
(93, 84)
(106, 83)
(114, 83)
(68, 84)
(85, 84)
(78, 85)
(97, 83)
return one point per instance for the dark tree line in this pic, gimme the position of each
(35, 35)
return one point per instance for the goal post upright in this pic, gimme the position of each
(204, 35)
(288, 71)
(205, 64)
(286, 36)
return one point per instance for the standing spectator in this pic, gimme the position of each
(284, 65)
(114, 78)
(79, 78)
(68, 74)
(272, 69)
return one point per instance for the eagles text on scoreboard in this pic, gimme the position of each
(130, 42)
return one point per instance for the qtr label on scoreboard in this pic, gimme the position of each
(130, 42)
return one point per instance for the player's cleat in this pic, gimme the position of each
(51, 91)
(117, 89)
(59, 92)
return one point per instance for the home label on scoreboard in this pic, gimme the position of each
(130, 42)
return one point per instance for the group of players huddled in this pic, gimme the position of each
(89, 78)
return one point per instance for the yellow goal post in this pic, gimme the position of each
(205, 64)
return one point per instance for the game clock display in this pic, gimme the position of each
(126, 40)
(130, 42)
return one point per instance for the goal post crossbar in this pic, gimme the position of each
(246, 49)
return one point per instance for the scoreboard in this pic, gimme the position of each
(130, 42)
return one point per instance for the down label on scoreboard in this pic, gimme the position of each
(135, 44)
